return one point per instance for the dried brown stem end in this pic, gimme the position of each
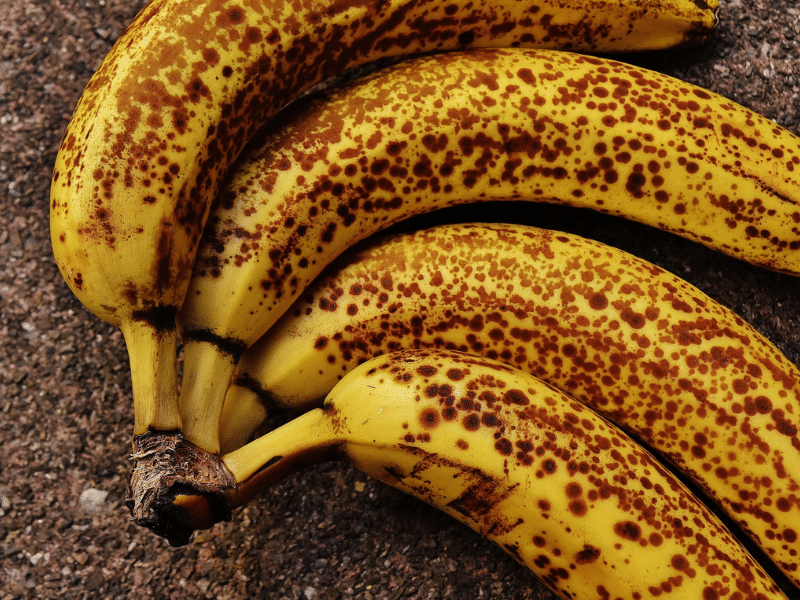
(166, 467)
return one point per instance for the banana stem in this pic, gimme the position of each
(202, 396)
(176, 487)
(307, 439)
(152, 355)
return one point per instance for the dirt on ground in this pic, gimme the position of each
(329, 533)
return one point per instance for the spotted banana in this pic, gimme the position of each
(646, 349)
(189, 82)
(464, 127)
(563, 491)
(181, 92)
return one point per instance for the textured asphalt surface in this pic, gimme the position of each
(329, 533)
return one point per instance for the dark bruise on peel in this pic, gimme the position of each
(232, 347)
(160, 319)
(701, 4)
(481, 497)
(271, 462)
(266, 399)
(480, 502)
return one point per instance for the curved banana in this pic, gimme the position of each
(464, 127)
(188, 83)
(560, 489)
(644, 348)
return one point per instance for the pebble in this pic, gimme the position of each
(93, 501)
(5, 502)
(94, 580)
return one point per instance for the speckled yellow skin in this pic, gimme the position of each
(646, 349)
(189, 82)
(560, 489)
(490, 124)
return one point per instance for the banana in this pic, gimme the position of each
(463, 127)
(563, 491)
(185, 87)
(647, 350)
(188, 83)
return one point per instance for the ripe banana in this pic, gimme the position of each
(464, 127)
(188, 83)
(560, 489)
(644, 348)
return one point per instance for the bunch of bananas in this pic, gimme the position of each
(509, 375)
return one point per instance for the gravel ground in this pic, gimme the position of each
(65, 398)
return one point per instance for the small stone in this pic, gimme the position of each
(94, 581)
(93, 501)
(5, 501)
(310, 593)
